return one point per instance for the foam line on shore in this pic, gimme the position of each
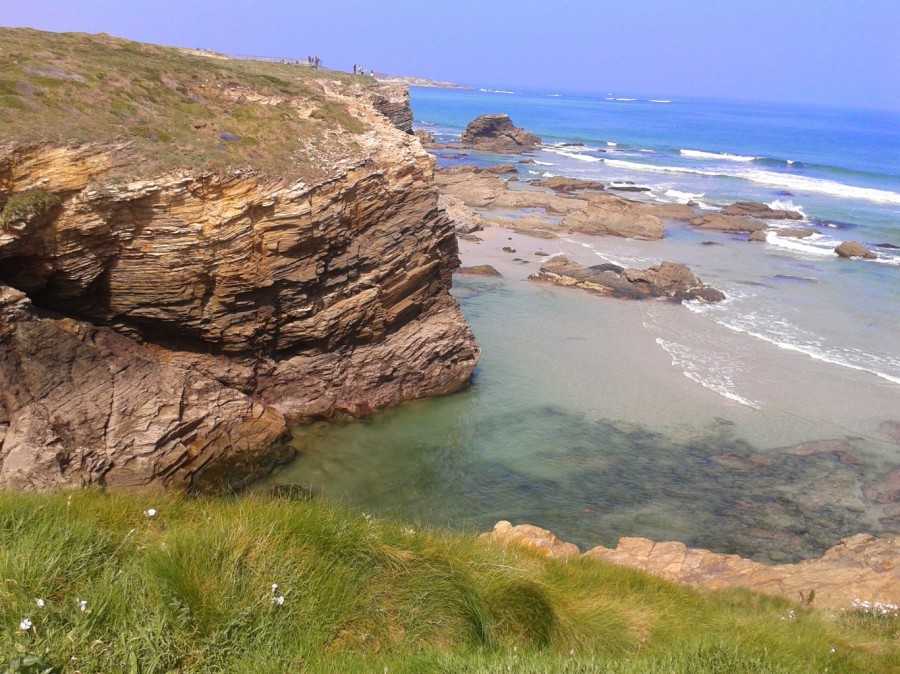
(744, 323)
(773, 179)
(717, 377)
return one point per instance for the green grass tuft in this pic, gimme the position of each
(190, 590)
(27, 205)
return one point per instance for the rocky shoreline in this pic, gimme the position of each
(162, 331)
(859, 569)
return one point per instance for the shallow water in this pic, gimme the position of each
(564, 429)
(600, 418)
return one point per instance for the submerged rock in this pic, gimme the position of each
(667, 280)
(497, 133)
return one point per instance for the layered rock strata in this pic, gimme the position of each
(175, 322)
(667, 280)
(497, 133)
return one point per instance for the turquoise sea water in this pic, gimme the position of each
(599, 418)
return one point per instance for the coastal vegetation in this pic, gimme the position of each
(97, 582)
(176, 107)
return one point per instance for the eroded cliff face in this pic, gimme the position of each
(173, 323)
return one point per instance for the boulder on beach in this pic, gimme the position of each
(612, 216)
(668, 280)
(851, 249)
(756, 209)
(497, 133)
(479, 270)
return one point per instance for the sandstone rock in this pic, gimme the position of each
(851, 249)
(670, 211)
(497, 133)
(667, 280)
(239, 300)
(498, 169)
(392, 101)
(614, 217)
(464, 220)
(425, 137)
(795, 233)
(758, 235)
(756, 209)
(87, 405)
(479, 270)
(568, 185)
(860, 568)
(728, 223)
(532, 538)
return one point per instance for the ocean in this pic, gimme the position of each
(767, 425)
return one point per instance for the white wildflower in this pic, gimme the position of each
(791, 615)
(274, 587)
(40, 603)
(25, 625)
(832, 650)
(150, 513)
(82, 605)
(278, 601)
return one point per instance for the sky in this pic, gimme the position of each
(831, 52)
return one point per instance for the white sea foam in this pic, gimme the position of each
(806, 246)
(683, 197)
(659, 100)
(573, 155)
(547, 174)
(626, 99)
(786, 205)
(645, 150)
(794, 183)
(785, 335)
(496, 91)
(710, 370)
(699, 154)
(543, 163)
(611, 144)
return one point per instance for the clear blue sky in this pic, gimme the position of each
(836, 52)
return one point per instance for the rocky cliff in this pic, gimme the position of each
(158, 328)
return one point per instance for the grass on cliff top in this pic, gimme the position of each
(191, 590)
(178, 109)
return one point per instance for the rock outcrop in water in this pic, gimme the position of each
(861, 568)
(172, 323)
(756, 209)
(497, 133)
(852, 249)
(667, 280)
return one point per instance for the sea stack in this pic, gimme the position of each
(497, 133)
